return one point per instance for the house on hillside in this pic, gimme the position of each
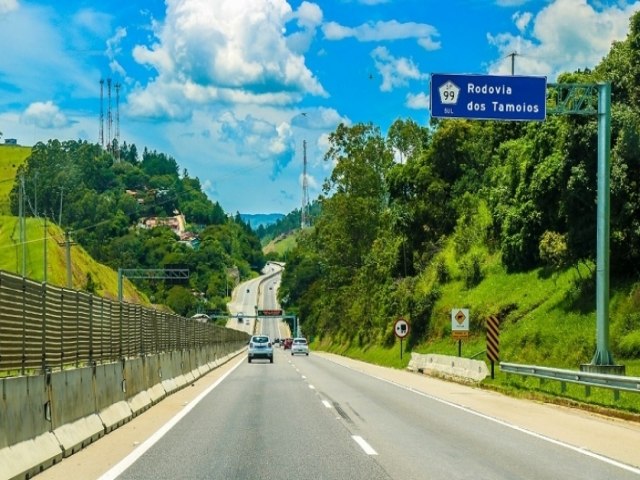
(190, 239)
(176, 223)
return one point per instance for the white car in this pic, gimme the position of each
(260, 347)
(300, 345)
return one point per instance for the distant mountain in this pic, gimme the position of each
(264, 219)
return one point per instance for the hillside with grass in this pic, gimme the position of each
(11, 158)
(86, 273)
(136, 212)
(280, 246)
(499, 218)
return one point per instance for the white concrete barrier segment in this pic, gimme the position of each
(445, 365)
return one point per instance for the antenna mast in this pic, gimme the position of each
(109, 117)
(304, 215)
(102, 112)
(117, 152)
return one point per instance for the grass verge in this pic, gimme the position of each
(598, 400)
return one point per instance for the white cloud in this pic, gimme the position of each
(209, 187)
(8, 6)
(258, 138)
(114, 49)
(308, 18)
(418, 101)
(565, 36)
(45, 115)
(92, 21)
(395, 72)
(380, 31)
(522, 19)
(227, 50)
(309, 15)
(319, 119)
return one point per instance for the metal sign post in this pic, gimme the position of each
(494, 97)
(401, 329)
(460, 326)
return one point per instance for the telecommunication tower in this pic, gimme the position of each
(109, 117)
(117, 137)
(304, 214)
(102, 112)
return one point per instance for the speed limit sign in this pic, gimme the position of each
(401, 328)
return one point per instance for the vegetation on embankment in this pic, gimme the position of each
(86, 273)
(12, 157)
(499, 218)
(135, 212)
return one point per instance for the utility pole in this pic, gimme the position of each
(45, 248)
(67, 242)
(60, 211)
(22, 226)
(513, 61)
(35, 193)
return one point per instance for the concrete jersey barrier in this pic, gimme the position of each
(48, 417)
(448, 366)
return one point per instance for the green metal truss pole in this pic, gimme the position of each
(595, 99)
(603, 356)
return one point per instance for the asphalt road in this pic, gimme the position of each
(258, 293)
(326, 417)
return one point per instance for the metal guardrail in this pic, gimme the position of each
(588, 379)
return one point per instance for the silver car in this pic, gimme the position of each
(260, 346)
(300, 345)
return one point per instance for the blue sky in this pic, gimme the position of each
(232, 88)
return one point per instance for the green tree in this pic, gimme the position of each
(181, 301)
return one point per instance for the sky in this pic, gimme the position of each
(232, 89)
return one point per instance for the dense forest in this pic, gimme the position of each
(429, 205)
(102, 199)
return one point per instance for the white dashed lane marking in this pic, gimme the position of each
(364, 445)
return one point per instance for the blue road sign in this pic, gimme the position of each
(488, 97)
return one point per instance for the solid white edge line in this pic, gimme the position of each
(368, 449)
(583, 451)
(130, 459)
(326, 404)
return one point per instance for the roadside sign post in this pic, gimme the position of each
(520, 98)
(401, 329)
(460, 326)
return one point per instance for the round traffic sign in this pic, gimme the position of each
(401, 328)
